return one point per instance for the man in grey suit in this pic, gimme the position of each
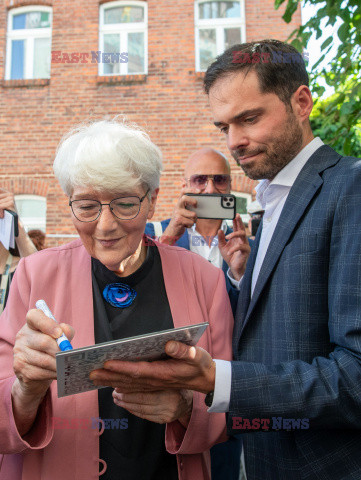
(294, 388)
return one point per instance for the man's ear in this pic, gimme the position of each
(153, 202)
(302, 103)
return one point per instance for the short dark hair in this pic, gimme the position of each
(279, 66)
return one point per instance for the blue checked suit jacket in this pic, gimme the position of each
(297, 341)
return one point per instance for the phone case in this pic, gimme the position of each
(16, 224)
(214, 205)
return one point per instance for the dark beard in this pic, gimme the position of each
(281, 152)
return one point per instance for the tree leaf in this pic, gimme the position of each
(290, 10)
(347, 146)
(343, 32)
(278, 3)
(326, 43)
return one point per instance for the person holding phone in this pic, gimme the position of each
(9, 259)
(207, 171)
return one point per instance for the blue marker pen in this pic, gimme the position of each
(62, 341)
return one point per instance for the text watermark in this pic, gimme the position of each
(265, 57)
(94, 423)
(274, 423)
(57, 56)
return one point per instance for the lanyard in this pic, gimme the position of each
(4, 281)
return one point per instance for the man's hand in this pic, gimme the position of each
(160, 407)
(235, 248)
(190, 368)
(181, 219)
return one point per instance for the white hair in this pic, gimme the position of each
(107, 155)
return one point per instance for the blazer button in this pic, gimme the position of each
(104, 466)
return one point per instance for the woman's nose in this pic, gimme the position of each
(106, 219)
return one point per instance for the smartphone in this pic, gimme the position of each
(15, 220)
(220, 206)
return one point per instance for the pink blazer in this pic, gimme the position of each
(62, 277)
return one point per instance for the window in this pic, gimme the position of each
(123, 34)
(242, 202)
(28, 49)
(219, 25)
(32, 211)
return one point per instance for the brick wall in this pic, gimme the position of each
(168, 102)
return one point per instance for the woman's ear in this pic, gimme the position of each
(152, 203)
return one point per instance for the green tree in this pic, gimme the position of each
(331, 130)
(343, 111)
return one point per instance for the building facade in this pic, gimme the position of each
(66, 61)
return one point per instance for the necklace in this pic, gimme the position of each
(119, 295)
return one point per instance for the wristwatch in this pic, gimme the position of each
(209, 399)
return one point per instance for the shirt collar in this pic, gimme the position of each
(287, 176)
(223, 227)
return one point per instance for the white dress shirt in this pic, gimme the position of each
(272, 195)
(198, 244)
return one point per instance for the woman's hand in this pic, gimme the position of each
(34, 364)
(160, 407)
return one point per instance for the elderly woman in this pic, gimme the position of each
(110, 172)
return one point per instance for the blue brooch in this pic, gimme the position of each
(119, 295)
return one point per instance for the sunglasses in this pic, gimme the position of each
(201, 181)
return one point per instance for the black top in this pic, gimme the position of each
(133, 448)
(7, 288)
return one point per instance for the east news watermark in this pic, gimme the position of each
(267, 57)
(270, 424)
(90, 423)
(57, 56)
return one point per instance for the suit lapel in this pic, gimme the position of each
(245, 291)
(301, 194)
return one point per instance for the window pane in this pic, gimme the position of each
(41, 58)
(31, 207)
(241, 205)
(112, 45)
(136, 52)
(207, 47)
(31, 20)
(124, 14)
(17, 59)
(232, 36)
(217, 9)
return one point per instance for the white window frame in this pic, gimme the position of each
(219, 24)
(245, 216)
(122, 30)
(31, 223)
(29, 35)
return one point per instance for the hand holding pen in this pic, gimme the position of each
(62, 341)
(34, 356)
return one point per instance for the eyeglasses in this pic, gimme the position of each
(124, 208)
(201, 181)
